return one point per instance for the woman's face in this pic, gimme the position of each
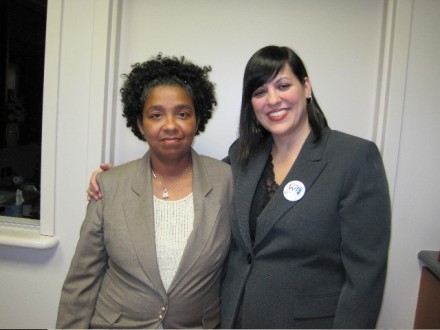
(168, 122)
(280, 105)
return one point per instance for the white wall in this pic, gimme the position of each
(341, 43)
(335, 38)
(416, 220)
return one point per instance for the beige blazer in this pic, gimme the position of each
(114, 279)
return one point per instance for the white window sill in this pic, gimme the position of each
(18, 233)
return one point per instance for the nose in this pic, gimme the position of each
(170, 123)
(272, 96)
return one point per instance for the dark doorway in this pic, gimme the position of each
(22, 33)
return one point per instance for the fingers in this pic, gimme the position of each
(93, 191)
(92, 194)
(106, 166)
(93, 185)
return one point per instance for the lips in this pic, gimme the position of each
(171, 140)
(277, 115)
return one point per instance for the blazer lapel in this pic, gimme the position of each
(306, 169)
(139, 215)
(246, 183)
(205, 215)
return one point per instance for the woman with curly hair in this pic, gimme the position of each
(151, 250)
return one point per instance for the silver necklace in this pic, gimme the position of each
(165, 193)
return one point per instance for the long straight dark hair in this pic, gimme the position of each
(262, 67)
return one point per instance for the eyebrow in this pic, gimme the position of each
(275, 80)
(282, 77)
(180, 106)
(184, 106)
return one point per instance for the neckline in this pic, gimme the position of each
(183, 199)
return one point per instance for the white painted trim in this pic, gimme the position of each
(112, 78)
(25, 235)
(384, 71)
(392, 92)
(50, 109)
(101, 56)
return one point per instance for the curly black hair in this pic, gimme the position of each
(168, 71)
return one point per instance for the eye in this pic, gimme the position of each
(259, 92)
(183, 115)
(155, 116)
(284, 86)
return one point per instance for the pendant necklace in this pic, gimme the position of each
(165, 193)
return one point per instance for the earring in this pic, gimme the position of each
(255, 126)
(309, 99)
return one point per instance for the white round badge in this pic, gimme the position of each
(294, 191)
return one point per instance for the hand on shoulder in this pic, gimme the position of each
(93, 191)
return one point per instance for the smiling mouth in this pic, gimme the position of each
(277, 115)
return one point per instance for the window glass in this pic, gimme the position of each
(22, 31)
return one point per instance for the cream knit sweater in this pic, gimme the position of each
(173, 223)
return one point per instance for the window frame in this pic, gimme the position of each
(104, 53)
(40, 234)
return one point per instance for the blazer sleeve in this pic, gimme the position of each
(81, 286)
(365, 214)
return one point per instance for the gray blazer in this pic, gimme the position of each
(319, 262)
(114, 279)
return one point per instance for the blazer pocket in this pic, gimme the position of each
(317, 306)
(212, 322)
(211, 315)
(105, 314)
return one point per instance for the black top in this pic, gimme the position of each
(265, 190)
